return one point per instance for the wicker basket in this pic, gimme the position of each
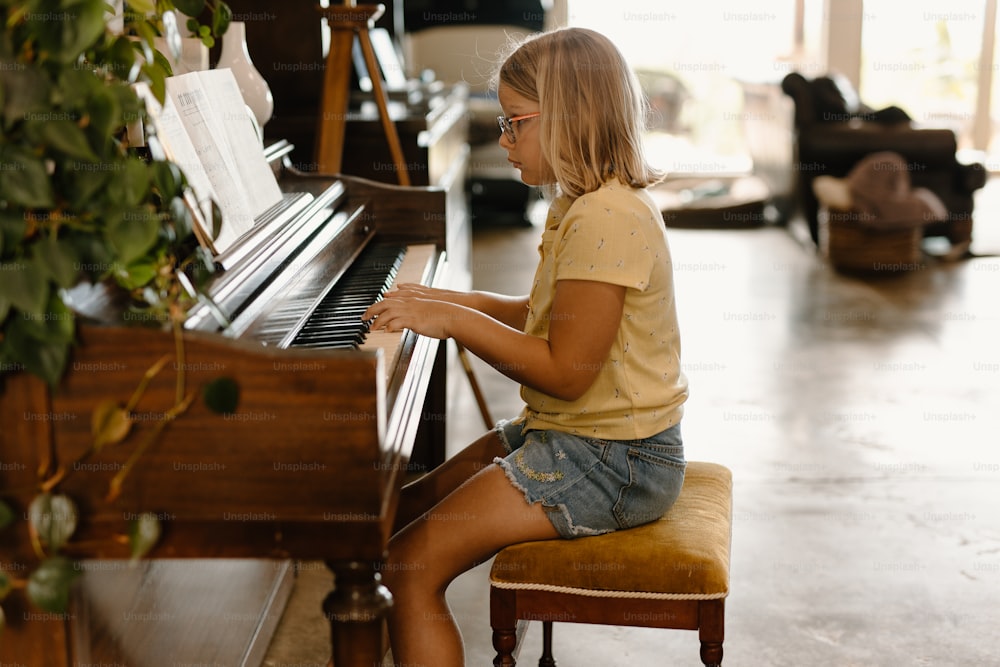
(854, 245)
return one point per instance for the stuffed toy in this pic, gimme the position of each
(879, 191)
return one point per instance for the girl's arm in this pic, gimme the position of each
(511, 310)
(584, 322)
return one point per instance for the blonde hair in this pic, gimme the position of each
(593, 110)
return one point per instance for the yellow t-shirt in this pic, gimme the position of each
(614, 235)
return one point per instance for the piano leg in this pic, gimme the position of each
(356, 609)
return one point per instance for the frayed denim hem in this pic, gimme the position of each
(557, 514)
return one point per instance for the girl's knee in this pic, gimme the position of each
(405, 566)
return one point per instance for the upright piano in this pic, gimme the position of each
(309, 464)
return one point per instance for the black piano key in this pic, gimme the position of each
(346, 340)
(336, 320)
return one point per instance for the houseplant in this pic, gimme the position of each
(218, 13)
(79, 204)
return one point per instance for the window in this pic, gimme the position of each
(924, 57)
(691, 59)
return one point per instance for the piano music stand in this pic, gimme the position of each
(346, 22)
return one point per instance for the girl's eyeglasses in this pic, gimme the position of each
(507, 124)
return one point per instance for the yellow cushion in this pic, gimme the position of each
(683, 555)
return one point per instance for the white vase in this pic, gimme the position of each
(236, 57)
(193, 58)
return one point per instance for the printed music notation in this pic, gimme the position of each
(206, 129)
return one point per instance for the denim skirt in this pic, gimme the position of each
(590, 486)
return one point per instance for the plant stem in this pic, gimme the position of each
(146, 379)
(179, 353)
(116, 482)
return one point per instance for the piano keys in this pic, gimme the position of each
(309, 465)
(337, 319)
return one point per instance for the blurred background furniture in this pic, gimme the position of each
(768, 124)
(461, 42)
(430, 116)
(834, 130)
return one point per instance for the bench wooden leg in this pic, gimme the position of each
(504, 623)
(711, 631)
(547, 660)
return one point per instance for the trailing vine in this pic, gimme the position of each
(80, 204)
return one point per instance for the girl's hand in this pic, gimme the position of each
(584, 321)
(407, 308)
(423, 292)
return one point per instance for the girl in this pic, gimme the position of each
(595, 346)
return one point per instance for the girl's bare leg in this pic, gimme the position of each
(419, 496)
(470, 525)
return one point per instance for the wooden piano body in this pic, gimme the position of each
(307, 467)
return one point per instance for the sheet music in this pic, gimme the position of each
(177, 147)
(194, 111)
(205, 128)
(241, 138)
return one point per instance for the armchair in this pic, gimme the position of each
(834, 130)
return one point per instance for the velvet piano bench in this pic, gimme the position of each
(671, 573)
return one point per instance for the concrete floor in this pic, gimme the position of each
(859, 418)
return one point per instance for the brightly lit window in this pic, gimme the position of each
(924, 57)
(692, 58)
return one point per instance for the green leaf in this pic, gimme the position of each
(12, 228)
(143, 534)
(45, 359)
(128, 107)
(55, 325)
(74, 88)
(66, 136)
(6, 515)
(222, 395)
(59, 260)
(201, 267)
(156, 74)
(144, 45)
(216, 219)
(59, 323)
(5, 585)
(135, 181)
(53, 518)
(133, 234)
(167, 178)
(26, 181)
(81, 185)
(190, 7)
(96, 258)
(25, 285)
(49, 585)
(183, 223)
(27, 93)
(109, 424)
(221, 18)
(121, 59)
(143, 6)
(105, 113)
(82, 30)
(137, 274)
